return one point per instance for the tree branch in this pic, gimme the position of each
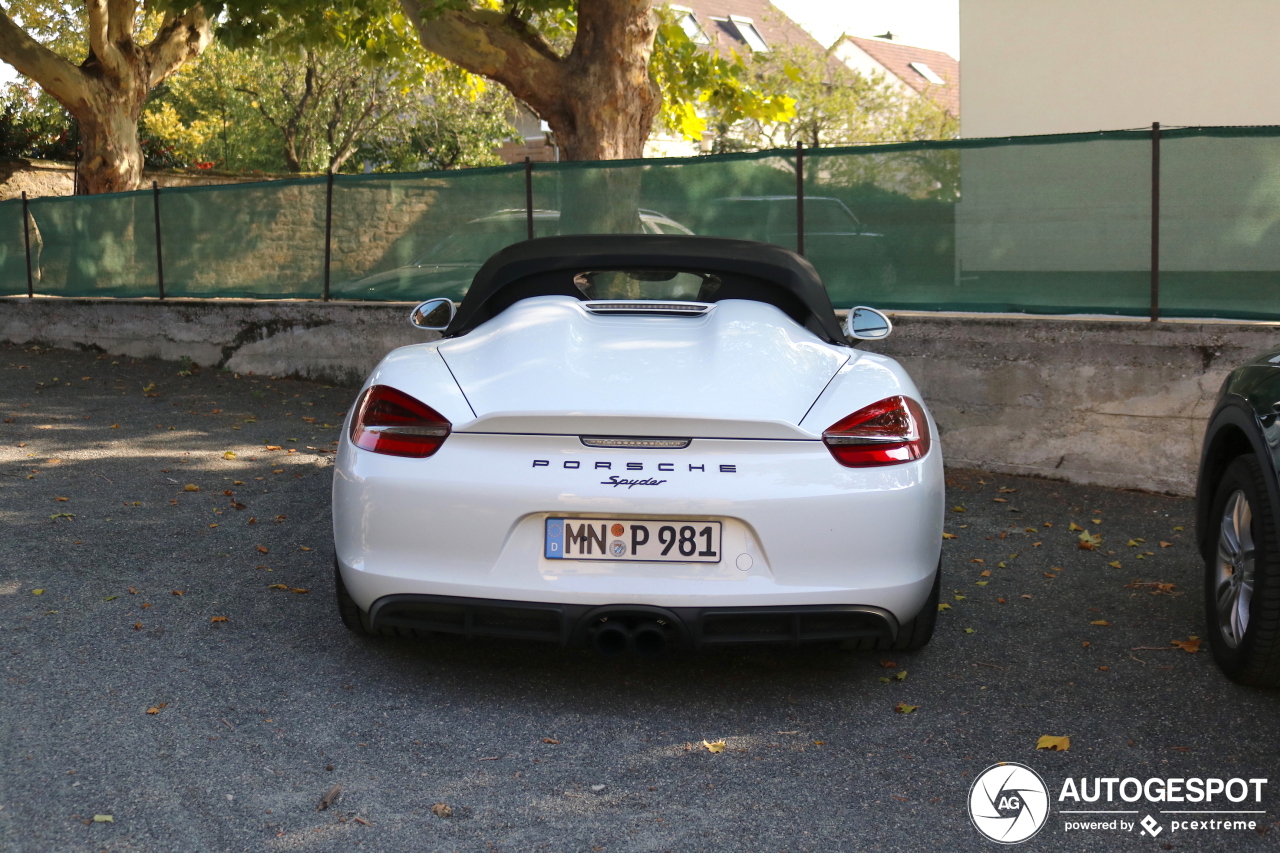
(55, 75)
(101, 45)
(179, 39)
(486, 42)
(120, 17)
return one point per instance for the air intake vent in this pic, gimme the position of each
(675, 309)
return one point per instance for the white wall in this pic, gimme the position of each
(1064, 66)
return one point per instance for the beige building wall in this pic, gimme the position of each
(1065, 66)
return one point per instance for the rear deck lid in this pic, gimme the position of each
(549, 365)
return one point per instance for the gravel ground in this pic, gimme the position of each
(184, 670)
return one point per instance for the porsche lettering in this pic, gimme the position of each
(573, 464)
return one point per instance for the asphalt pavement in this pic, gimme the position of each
(175, 677)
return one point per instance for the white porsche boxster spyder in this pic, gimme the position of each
(641, 442)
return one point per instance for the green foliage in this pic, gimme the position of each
(696, 81)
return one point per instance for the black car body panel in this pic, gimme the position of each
(1246, 418)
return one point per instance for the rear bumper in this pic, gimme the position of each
(573, 624)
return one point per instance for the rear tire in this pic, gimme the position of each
(352, 616)
(1242, 577)
(914, 634)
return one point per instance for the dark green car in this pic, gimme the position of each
(1238, 523)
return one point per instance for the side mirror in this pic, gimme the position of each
(434, 315)
(867, 324)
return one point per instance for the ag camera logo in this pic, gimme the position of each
(1008, 803)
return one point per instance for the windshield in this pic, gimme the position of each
(674, 285)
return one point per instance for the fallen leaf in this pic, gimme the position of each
(1000, 601)
(237, 482)
(229, 455)
(303, 548)
(885, 680)
(1074, 527)
(1097, 520)
(1190, 645)
(1086, 644)
(137, 626)
(328, 798)
(1005, 490)
(714, 746)
(273, 447)
(1057, 744)
(64, 500)
(190, 487)
(441, 810)
(550, 740)
(946, 535)
(278, 586)
(1030, 530)
(889, 664)
(278, 471)
(901, 675)
(252, 520)
(1047, 524)
(981, 583)
(1115, 564)
(999, 500)
(1026, 596)
(298, 590)
(228, 493)
(1135, 542)
(1166, 544)
(819, 743)
(1104, 669)
(156, 709)
(103, 818)
(941, 607)
(218, 619)
(977, 560)
(1001, 566)
(986, 573)
(959, 597)
(958, 509)
(904, 708)
(111, 598)
(1103, 622)
(177, 592)
(263, 549)
(1177, 530)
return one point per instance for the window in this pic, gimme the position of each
(749, 34)
(692, 28)
(928, 73)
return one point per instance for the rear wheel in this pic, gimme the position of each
(1242, 578)
(913, 634)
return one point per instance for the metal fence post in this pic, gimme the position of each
(155, 203)
(528, 195)
(1155, 221)
(799, 198)
(328, 232)
(26, 238)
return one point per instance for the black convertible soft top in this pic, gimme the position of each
(748, 270)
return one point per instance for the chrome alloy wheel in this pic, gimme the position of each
(1233, 584)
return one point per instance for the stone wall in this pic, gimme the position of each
(1110, 402)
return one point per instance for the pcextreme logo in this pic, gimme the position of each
(1009, 803)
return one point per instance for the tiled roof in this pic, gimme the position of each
(897, 59)
(774, 26)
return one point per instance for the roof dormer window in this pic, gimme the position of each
(928, 73)
(689, 23)
(747, 29)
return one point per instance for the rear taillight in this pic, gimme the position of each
(391, 422)
(889, 432)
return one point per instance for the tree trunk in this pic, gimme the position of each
(111, 161)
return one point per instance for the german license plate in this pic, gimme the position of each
(650, 540)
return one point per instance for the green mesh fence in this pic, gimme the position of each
(1054, 224)
(13, 254)
(414, 237)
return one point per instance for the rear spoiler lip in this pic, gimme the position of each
(634, 424)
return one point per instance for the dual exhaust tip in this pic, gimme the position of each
(648, 639)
